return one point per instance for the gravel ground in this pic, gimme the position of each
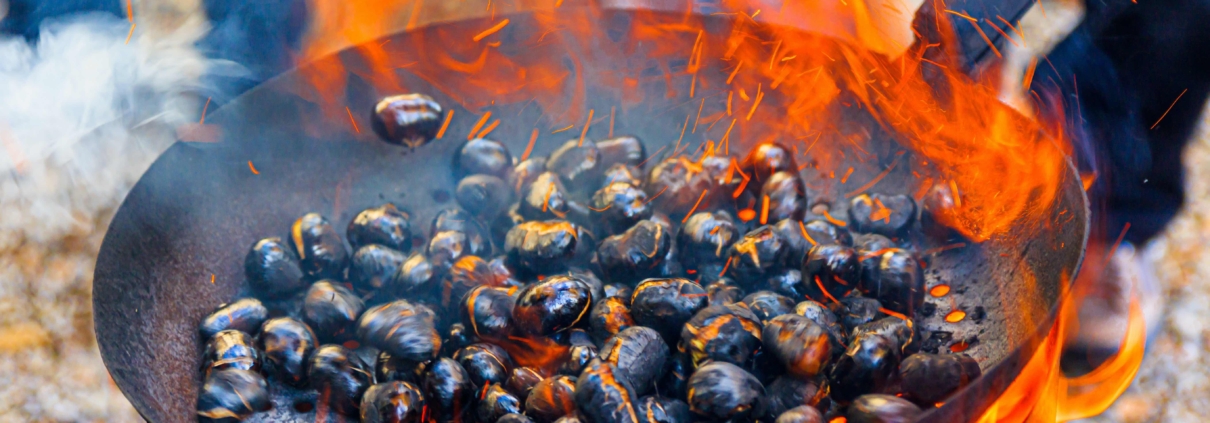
(59, 192)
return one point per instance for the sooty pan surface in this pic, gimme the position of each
(198, 208)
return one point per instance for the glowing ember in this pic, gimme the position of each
(939, 290)
(955, 316)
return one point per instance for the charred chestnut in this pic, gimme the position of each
(273, 270)
(608, 317)
(624, 150)
(619, 291)
(521, 380)
(825, 318)
(578, 356)
(388, 368)
(331, 310)
(553, 305)
(623, 173)
(245, 314)
(931, 378)
(321, 252)
(545, 198)
(541, 247)
(402, 329)
(447, 389)
(458, 220)
(602, 396)
(515, 418)
(666, 304)
(766, 305)
(578, 163)
(496, 402)
(802, 346)
(722, 391)
(392, 402)
(447, 247)
(800, 414)
(727, 333)
(487, 311)
(232, 395)
(655, 409)
(857, 310)
(482, 157)
(638, 355)
(867, 366)
(525, 173)
(407, 119)
(878, 408)
(635, 254)
(456, 337)
(231, 349)
(414, 276)
(675, 383)
(897, 329)
(704, 240)
(485, 196)
(787, 282)
(384, 225)
(787, 197)
(889, 215)
(832, 267)
(485, 363)
(341, 376)
(790, 392)
(757, 254)
(465, 274)
(286, 344)
(679, 184)
(620, 205)
(373, 267)
(551, 399)
(724, 291)
(768, 158)
(898, 283)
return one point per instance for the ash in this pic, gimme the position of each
(84, 114)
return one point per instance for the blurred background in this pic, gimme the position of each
(94, 90)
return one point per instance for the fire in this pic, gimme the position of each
(753, 77)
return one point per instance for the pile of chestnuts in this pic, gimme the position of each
(583, 286)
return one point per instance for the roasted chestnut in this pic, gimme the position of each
(485, 363)
(635, 254)
(482, 157)
(725, 333)
(384, 225)
(341, 377)
(767, 304)
(373, 267)
(456, 337)
(676, 184)
(768, 158)
(245, 315)
(608, 317)
(231, 395)
(624, 150)
(578, 163)
(783, 196)
(657, 409)
(321, 252)
(704, 240)
(388, 368)
(638, 354)
(666, 304)
(722, 391)
(830, 267)
(408, 119)
(878, 408)
(273, 270)
(802, 346)
(856, 310)
(789, 392)
(675, 383)
(392, 402)
(623, 173)
(825, 318)
(485, 196)
(867, 366)
(620, 291)
(541, 247)
(331, 310)
(521, 380)
(900, 330)
(286, 344)
(602, 396)
(413, 277)
(402, 329)
(551, 399)
(758, 254)
(931, 378)
(545, 198)
(724, 291)
(889, 215)
(487, 311)
(496, 402)
(525, 173)
(463, 276)
(787, 282)
(458, 220)
(578, 356)
(618, 206)
(898, 283)
(447, 389)
(553, 305)
(446, 248)
(231, 349)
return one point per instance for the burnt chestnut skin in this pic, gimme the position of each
(802, 347)
(287, 344)
(866, 367)
(482, 157)
(837, 269)
(767, 304)
(608, 317)
(484, 363)
(704, 240)
(342, 376)
(331, 310)
(321, 252)
(521, 380)
(721, 391)
(898, 282)
(666, 304)
(465, 274)
(402, 329)
(231, 349)
(552, 305)
(536, 248)
(604, 397)
(723, 333)
(758, 254)
(392, 402)
(487, 312)
(407, 119)
(679, 184)
(551, 399)
(638, 353)
(497, 402)
(636, 254)
(447, 389)
(273, 269)
(856, 310)
(579, 164)
(618, 206)
(931, 378)
(414, 276)
(245, 315)
(578, 356)
(788, 392)
(231, 395)
(878, 408)
(384, 225)
(656, 409)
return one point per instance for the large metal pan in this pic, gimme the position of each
(200, 205)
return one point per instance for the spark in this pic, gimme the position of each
(657, 195)
(961, 15)
(253, 168)
(773, 59)
(698, 203)
(567, 128)
(488, 129)
(734, 72)
(726, 266)
(207, 106)
(1029, 73)
(945, 248)
(845, 178)
(445, 125)
(834, 220)
(987, 40)
(957, 196)
(212, 279)
(699, 116)
(933, 63)
(587, 124)
(1001, 31)
(130, 17)
(354, 121)
(129, 34)
(727, 138)
(1010, 25)
(877, 178)
(825, 291)
(491, 30)
(729, 96)
(693, 86)
(478, 125)
(1118, 243)
(657, 152)
(1170, 106)
(764, 210)
(759, 95)
(682, 137)
(803, 228)
(529, 148)
(613, 110)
